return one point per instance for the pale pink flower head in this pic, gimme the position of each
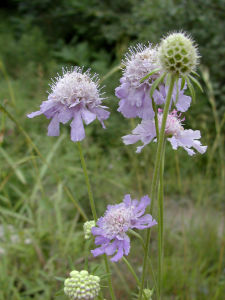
(74, 96)
(174, 131)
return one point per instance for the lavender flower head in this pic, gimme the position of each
(111, 229)
(174, 131)
(74, 96)
(135, 100)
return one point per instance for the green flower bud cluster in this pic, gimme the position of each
(148, 294)
(178, 54)
(87, 229)
(82, 286)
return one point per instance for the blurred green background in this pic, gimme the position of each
(41, 180)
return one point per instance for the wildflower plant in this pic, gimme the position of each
(153, 88)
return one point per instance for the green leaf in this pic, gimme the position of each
(13, 165)
(182, 83)
(168, 78)
(177, 89)
(60, 278)
(156, 83)
(14, 215)
(190, 86)
(196, 82)
(149, 74)
(195, 73)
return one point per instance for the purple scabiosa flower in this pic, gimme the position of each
(74, 96)
(179, 99)
(175, 132)
(110, 232)
(135, 100)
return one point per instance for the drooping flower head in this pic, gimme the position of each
(110, 232)
(178, 54)
(82, 286)
(174, 131)
(74, 96)
(134, 94)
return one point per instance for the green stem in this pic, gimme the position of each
(160, 225)
(109, 278)
(149, 260)
(155, 118)
(131, 270)
(94, 213)
(155, 174)
(90, 194)
(87, 247)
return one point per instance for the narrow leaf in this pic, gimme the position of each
(196, 82)
(13, 165)
(156, 84)
(195, 73)
(190, 86)
(149, 74)
(182, 83)
(177, 90)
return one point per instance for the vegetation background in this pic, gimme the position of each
(42, 188)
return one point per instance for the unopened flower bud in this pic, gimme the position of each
(82, 286)
(178, 54)
(148, 294)
(87, 229)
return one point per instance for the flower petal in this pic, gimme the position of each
(53, 127)
(77, 128)
(87, 116)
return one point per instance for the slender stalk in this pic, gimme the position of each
(109, 278)
(90, 194)
(156, 118)
(11, 91)
(134, 159)
(160, 225)
(87, 247)
(131, 270)
(155, 174)
(149, 260)
(94, 213)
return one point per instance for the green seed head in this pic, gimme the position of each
(87, 229)
(178, 54)
(82, 286)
